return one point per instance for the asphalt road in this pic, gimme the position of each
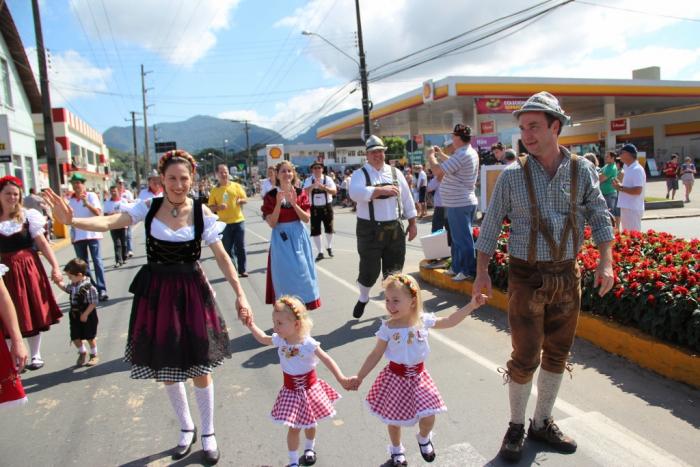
(619, 413)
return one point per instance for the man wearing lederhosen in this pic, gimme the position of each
(383, 198)
(320, 189)
(549, 195)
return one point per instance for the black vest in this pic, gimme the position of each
(164, 252)
(17, 241)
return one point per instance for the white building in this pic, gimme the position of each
(19, 99)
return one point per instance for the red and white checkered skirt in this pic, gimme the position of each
(403, 400)
(302, 408)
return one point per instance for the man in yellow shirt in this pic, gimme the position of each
(226, 201)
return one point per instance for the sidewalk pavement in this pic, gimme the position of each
(656, 188)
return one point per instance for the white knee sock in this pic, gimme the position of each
(548, 384)
(293, 457)
(518, 394)
(205, 402)
(329, 240)
(309, 443)
(178, 399)
(364, 293)
(317, 243)
(35, 346)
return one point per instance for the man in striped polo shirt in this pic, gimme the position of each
(458, 173)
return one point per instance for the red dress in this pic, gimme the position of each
(11, 390)
(27, 282)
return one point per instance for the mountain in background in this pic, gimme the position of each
(202, 131)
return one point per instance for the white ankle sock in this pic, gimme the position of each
(82, 348)
(548, 384)
(93, 350)
(425, 449)
(317, 242)
(364, 293)
(293, 457)
(309, 443)
(518, 394)
(397, 450)
(178, 400)
(329, 240)
(35, 346)
(205, 402)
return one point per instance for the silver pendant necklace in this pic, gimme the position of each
(175, 210)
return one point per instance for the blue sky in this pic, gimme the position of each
(246, 59)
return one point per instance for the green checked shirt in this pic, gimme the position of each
(510, 199)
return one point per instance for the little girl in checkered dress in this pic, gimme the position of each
(404, 393)
(304, 399)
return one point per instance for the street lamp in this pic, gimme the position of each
(224, 151)
(361, 64)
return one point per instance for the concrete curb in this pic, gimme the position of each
(665, 359)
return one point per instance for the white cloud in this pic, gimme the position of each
(250, 115)
(181, 32)
(71, 76)
(560, 44)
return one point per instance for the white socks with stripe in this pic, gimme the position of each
(178, 399)
(518, 394)
(205, 402)
(548, 384)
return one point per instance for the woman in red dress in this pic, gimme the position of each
(12, 361)
(26, 280)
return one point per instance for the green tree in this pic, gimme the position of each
(121, 161)
(395, 147)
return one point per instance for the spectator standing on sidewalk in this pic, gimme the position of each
(226, 200)
(87, 204)
(688, 177)
(630, 198)
(671, 170)
(128, 197)
(421, 181)
(459, 173)
(548, 196)
(607, 174)
(154, 188)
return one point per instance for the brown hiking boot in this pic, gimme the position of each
(82, 359)
(94, 360)
(512, 445)
(552, 435)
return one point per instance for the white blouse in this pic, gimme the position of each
(212, 226)
(407, 346)
(296, 359)
(36, 224)
(3, 269)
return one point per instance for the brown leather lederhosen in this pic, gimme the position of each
(544, 297)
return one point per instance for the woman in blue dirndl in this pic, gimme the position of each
(290, 264)
(175, 330)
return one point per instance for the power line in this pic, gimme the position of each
(641, 12)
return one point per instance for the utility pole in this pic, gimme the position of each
(363, 74)
(49, 140)
(136, 154)
(247, 147)
(146, 155)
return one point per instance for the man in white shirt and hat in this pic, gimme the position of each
(383, 199)
(154, 188)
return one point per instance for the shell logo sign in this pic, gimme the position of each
(428, 90)
(275, 153)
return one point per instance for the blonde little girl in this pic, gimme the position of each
(304, 399)
(404, 393)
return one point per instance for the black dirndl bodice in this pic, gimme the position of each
(17, 241)
(174, 322)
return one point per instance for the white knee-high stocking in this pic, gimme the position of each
(35, 346)
(178, 399)
(205, 402)
(548, 384)
(518, 394)
(317, 243)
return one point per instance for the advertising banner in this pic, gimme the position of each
(484, 141)
(487, 127)
(497, 105)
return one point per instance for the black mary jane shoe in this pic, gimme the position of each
(182, 451)
(211, 457)
(427, 457)
(309, 457)
(35, 364)
(394, 461)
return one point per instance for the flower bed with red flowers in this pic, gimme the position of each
(657, 283)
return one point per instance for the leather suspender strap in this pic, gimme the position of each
(368, 182)
(556, 251)
(395, 180)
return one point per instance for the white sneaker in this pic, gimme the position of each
(449, 272)
(460, 277)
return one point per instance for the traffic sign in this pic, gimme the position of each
(165, 147)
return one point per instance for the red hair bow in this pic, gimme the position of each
(10, 179)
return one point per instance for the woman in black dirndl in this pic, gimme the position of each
(175, 330)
